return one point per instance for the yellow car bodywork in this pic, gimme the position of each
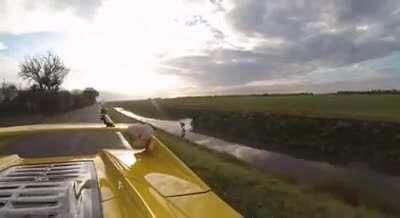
(135, 183)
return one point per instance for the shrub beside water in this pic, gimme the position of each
(312, 137)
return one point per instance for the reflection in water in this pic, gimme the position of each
(302, 171)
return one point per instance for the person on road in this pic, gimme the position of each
(183, 132)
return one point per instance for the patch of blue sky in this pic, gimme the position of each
(18, 46)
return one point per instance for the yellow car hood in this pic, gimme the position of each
(151, 183)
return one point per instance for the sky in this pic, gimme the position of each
(154, 48)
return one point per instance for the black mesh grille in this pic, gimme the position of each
(49, 190)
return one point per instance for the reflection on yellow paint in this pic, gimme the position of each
(126, 157)
(169, 185)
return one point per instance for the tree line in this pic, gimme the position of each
(371, 92)
(45, 74)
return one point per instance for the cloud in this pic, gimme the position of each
(356, 11)
(334, 32)
(232, 67)
(339, 48)
(197, 20)
(287, 19)
(294, 38)
(24, 16)
(303, 86)
(218, 45)
(86, 9)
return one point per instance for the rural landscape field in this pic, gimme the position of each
(267, 192)
(339, 129)
(330, 123)
(363, 107)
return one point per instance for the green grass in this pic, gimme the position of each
(255, 193)
(370, 107)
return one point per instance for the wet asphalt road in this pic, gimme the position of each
(65, 144)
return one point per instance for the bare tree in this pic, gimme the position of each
(47, 72)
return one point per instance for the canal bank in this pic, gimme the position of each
(256, 192)
(354, 181)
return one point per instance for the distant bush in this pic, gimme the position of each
(304, 136)
(370, 92)
(34, 100)
(288, 94)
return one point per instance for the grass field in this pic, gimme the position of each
(257, 194)
(254, 193)
(369, 107)
(335, 128)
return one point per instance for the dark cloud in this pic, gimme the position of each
(296, 19)
(338, 49)
(288, 19)
(232, 67)
(314, 35)
(364, 10)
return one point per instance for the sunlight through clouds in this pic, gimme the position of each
(179, 47)
(125, 41)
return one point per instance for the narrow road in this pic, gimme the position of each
(63, 144)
